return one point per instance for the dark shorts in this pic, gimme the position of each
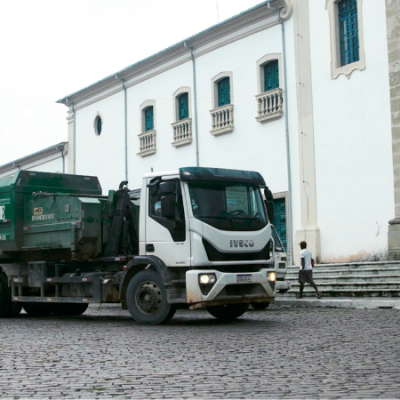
(305, 276)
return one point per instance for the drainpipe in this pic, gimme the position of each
(126, 126)
(286, 124)
(195, 103)
(63, 159)
(74, 139)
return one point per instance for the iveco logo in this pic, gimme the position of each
(242, 243)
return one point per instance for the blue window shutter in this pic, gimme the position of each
(149, 120)
(224, 92)
(183, 106)
(271, 76)
(348, 32)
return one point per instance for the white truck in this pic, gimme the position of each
(194, 237)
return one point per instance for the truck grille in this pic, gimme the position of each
(215, 255)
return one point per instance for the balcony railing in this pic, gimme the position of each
(222, 120)
(269, 105)
(182, 132)
(147, 143)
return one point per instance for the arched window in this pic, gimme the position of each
(147, 137)
(346, 36)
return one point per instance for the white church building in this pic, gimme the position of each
(298, 90)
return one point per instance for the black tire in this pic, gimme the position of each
(8, 308)
(69, 308)
(146, 298)
(38, 309)
(228, 312)
(260, 306)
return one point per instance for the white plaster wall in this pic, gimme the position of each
(252, 145)
(352, 141)
(55, 165)
(160, 88)
(45, 165)
(102, 156)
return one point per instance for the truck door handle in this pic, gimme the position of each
(149, 247)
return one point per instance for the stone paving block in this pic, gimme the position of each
(281, 352)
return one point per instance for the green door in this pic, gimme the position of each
(280, 220)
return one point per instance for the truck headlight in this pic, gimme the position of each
(206, 282)
(271, 276)
(206, 279)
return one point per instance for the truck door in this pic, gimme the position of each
(167, 236)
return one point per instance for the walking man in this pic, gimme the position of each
(305, 272)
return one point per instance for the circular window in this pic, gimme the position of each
(98, 124)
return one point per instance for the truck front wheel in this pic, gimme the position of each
(146, 298)
(7, 307)
(228, 312)
(260, 306)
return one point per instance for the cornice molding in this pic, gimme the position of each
(253, 21)
(55, 150)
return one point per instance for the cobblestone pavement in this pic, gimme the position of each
(281, 352)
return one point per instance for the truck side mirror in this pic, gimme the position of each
(268, 194)
(166, 187)
(168, 206)
(270, 210)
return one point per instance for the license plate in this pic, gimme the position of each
(244, 278)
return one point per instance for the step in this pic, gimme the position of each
(349, 279)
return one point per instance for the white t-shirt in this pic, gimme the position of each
(307, 255)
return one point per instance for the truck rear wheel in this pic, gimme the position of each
(228, 312)
(7, 307)
(69, 308)
(260, 306)
(146, 298)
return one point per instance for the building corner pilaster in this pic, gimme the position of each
(309, 230)
(393, 40)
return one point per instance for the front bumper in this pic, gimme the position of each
(227, 289)
(282, 286)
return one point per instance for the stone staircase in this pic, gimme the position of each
(359, 279)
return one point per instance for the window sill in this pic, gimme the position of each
(182, 132)
(147, 143)
(270, 105)
(222, 120)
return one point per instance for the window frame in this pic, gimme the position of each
(260, 70)
(150, 134)
(182, 90)
(145, 106)
(214, 88)
(336, 68)
(95, 124)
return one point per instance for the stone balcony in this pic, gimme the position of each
(147, 143)
(182, 132)
(222, 120)
(269, 105)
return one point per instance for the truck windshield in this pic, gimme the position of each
(228, 206)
